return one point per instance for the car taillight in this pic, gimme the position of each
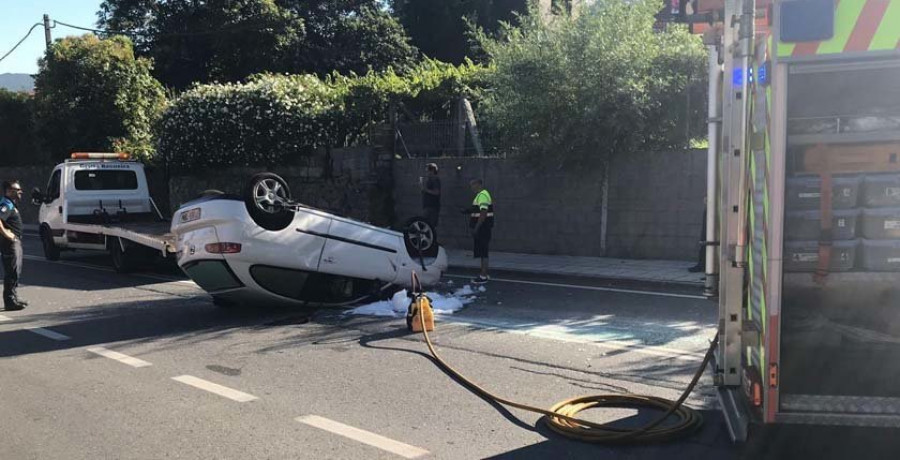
(223, 248)
(190, 215)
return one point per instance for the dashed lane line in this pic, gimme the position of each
(116, 356)
(48, 334)
(363, 436)
(215, 388)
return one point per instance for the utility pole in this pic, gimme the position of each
(47, 30)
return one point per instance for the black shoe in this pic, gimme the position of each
(14, 307)
(21, 302)
(481, 279)
(696, 269)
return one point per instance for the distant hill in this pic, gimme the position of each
(17, 81)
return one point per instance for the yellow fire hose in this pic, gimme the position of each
(561, 417)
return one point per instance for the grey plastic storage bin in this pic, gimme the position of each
(881, 255)
(806, 225)
(805, 192)
(803, 256)
(881, 223)
(881, 190)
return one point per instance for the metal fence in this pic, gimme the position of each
(436, 139)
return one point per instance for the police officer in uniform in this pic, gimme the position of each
(481, 221)
(11, 244)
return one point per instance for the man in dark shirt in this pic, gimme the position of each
(11, 244)
(431, 195)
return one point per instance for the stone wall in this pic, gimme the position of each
(656, 205)
(537, 211)
(348, 185)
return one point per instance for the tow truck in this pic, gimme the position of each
(803, 251)
(102, 202)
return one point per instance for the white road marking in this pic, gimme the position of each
(589, 288)
(215, 388)
(5, 318)
(365, 437)
(48, 333)
(108, 270)
(114, 355)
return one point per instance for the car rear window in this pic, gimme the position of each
(313, 287)
(105, 180)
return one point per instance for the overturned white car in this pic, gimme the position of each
(264, 248)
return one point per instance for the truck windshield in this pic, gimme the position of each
(106, 180)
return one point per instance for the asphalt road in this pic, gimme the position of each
(143, 366)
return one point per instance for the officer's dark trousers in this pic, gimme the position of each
(12, 268)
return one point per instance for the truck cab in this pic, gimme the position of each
(96, 201)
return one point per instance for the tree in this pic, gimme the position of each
(440, 29)
(194, 41)
(229, 40)
(347, 36)
(572, 91)
(93, 94)
(18, 145)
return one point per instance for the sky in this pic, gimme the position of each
(17, 16)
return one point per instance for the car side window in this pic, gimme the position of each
(53, 186)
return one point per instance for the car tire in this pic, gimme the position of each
(420, 237)
(51, 250)
(265, 197)
(122, 261)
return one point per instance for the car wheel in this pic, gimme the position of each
(267, 198)
(420, 238)
(122, 261)
(51, 250)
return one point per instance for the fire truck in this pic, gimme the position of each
(803, 251)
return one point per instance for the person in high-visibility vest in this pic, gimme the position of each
(481, 221)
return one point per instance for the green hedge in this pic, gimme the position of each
(280, 119)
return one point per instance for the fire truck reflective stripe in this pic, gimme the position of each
(869, 19)
(887, 36)
(845, 18)
(805, 49)
(786, 49)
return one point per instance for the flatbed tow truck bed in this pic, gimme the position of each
(154, 235)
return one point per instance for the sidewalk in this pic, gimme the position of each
(655, 271)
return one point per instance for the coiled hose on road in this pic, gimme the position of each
(562, 419)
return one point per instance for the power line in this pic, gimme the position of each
(22, 40)
(87, 29)
(235, 28)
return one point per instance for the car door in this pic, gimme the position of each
(51, 210)
(359, 250)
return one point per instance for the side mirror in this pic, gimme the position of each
(37, 198)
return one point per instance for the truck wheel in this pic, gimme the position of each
(51, 250)
(420, 238)
(267, 198)
(122, 261)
